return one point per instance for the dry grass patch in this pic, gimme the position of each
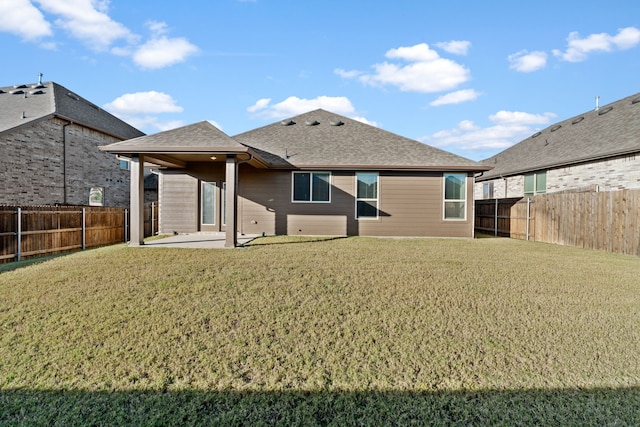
(312, 325)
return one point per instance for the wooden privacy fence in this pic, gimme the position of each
(30, 231)
(595, 220)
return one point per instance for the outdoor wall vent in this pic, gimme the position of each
(312, 122)
(577, 120)
(604, 111)
(555, 128)
(287, 122)
(336, 122)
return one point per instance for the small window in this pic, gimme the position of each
(367, 195)
(455, 196)
(312, 187)
(535, 183)
(125, 165)
(487, 190)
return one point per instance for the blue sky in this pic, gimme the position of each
(469, 77)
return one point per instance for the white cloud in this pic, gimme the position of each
(163, 51)
(456, 97)
(456, 47)
(140, 110)
(347, 74)
(578, 48)
(293, 106)
(526, 62)
(508, 128)
(88, 21)
(143, 102)
(22, 18)
(426, 72)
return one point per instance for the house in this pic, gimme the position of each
(49, 138)
(598, 150)
(318, 173)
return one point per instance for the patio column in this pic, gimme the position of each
(231, 178)
(136, 195)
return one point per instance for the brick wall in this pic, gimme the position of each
(33, 165)
(617, 173)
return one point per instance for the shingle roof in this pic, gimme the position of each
(201, 136)
(24, 104)
(612, 130)
(320, 139)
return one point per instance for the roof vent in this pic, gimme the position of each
(312, 122)
(17, 92)
(635, 100)
(36, 92)
(336, 122)
(577, 120)
(287, 122)
(537, 134)
(555, 128)
(38, 86)
(604, 111)
(19, 86)
(70, 95)
(1, 91)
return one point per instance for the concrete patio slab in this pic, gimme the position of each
(203, 240)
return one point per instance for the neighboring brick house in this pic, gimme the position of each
(49, 139)
(595, 151)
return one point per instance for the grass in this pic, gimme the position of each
(300, 331)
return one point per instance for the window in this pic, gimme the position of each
(487, 190)
(125, 165)
(535, 183)
(366, 195)
(311, 187)
(455, 196)
(208, 204)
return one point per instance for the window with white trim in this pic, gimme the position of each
(535, 183)
(311, 187)
(366, 195)
(455, 196)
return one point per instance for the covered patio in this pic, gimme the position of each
(206, 240)
(176, 149)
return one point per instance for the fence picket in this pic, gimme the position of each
(27, 231)
(595, 220)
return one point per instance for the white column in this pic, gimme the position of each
(137, 200)
(231, 178)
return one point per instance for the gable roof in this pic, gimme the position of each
(175, 147)
(321, 139)
(21, 105)
(611, 130)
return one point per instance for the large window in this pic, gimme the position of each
(311, 187)
(455, 196)
(535, 183)
(366, 195)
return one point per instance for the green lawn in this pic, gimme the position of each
(300, 331)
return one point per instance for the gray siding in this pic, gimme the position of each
(411, 204)
(179, 208)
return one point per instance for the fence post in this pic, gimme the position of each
(84, 229)
(19, 236)
(528, 214)
(495, 221)
(126, 224)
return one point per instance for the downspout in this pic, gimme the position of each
(64, 161)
